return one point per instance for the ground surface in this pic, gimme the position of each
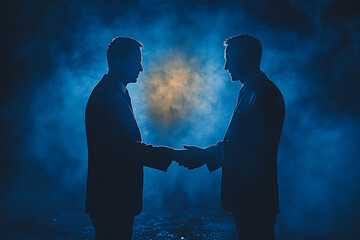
(71, 226)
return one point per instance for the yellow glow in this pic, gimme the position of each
(172, 89)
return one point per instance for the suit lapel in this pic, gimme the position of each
(130, 114)
(244, 99)
(133, 127)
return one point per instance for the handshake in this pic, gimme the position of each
(190, 157)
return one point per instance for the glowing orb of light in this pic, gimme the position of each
(172, 89)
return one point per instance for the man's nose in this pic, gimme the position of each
(226, 66)
(141, 68)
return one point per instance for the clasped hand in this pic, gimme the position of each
(190, 157)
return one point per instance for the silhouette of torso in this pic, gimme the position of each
(115, 175)
(249, 150)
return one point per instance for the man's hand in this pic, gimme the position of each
(191, 157)
(198, 156)
(181, 156)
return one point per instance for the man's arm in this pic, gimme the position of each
(214, 156)
(158, 157)
(126, 144)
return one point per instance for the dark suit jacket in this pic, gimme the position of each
(248, 152)
(115, 156)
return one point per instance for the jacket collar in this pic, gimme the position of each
(117, 84)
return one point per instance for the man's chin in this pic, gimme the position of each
(234, 79)
(134, 81)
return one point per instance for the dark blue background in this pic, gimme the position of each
(54, 53)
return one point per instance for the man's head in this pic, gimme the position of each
(242, 55)
(124, 59)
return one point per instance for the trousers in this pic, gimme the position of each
(113, 228)
(254, 227)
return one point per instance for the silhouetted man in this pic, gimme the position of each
(116, 155)
(248, 152)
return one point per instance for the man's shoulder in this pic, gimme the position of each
(268, 89)
(103, 96)
(103, 92)
(268, 94)
(97, 95)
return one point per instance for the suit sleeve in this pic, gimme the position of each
(214, 156)
(157, 157)
(124, 145)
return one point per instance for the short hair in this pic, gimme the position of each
(247, 44)
(122, 48)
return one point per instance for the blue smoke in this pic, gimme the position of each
(305, 57)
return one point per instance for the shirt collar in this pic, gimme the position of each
(119, 84)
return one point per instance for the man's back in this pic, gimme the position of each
(114, 175)
(250, 149)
